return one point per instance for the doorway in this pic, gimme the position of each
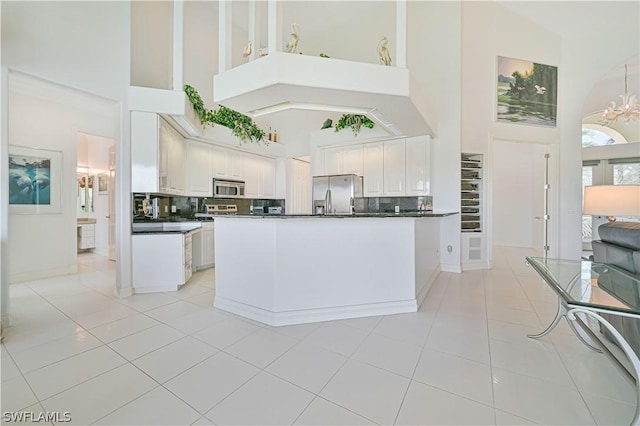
(519, 172)
(96, 161)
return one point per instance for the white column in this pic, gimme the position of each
(224, 36)
(252, 30)
(401, 33)
(178, 44)
(274, 31)
(4, 198)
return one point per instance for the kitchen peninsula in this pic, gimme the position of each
(295, 269)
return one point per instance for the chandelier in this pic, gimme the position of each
(627, 110)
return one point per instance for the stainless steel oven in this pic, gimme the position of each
(225, 188)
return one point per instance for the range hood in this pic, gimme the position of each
(283, 81)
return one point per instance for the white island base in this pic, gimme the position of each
(292, 270)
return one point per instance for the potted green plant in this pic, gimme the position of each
(355, 121)
(242, 126)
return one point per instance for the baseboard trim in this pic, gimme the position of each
(457, 269)
(153, 289)
(476, 266)
(38, 275)
(314, 315)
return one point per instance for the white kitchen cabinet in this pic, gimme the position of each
(227, 163)
(203, 247)
(199, 169)
(417, 163)
(172, 159)
(333, 161)
(343, 160)
(157, 155)
(86, 236)
(394, 168)
(352, 160)
(259, 176)
(373, 155)
(162, 261)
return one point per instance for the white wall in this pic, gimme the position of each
(489, 30)
(61, 112)
(436, 66)
(82, 45)
(152, 44)
(347, 30)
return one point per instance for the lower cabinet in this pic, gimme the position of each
(86, 237)
(161, 262)
(203, 247)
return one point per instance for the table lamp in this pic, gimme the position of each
(612, 201)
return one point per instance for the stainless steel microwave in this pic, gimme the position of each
(225, 188)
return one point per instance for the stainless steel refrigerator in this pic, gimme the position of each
(335, 194)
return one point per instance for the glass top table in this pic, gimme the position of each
(593, 285)
(590, 289)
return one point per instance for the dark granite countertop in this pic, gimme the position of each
(181, 227)
(354, 216)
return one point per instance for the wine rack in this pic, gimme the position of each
(471, 192)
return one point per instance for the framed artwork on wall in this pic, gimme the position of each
(35, 180)
(526, 92)
(103, 183)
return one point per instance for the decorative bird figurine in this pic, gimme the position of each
(327, 123)
(383, 51)
(247, 50)
(540, 90)
(292, 44)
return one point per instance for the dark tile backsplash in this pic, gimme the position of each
(187, 207)
(388, 204)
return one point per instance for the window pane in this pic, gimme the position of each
(626, 174)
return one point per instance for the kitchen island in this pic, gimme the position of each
(283, 270)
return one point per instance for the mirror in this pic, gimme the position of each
(85, 194)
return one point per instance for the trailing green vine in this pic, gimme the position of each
(241, 125)
(355, 121)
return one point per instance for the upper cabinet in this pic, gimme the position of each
(227, 163)
(394, 167)
(373, 157)
(199, 168)
(172, 160)
(418, 166)
(343, 160)
(157, 155)
(397, 167)
(259, 176)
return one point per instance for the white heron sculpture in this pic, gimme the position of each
(383, 51)
(247, 50)
(292, 44)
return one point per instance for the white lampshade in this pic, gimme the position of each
(612, 200)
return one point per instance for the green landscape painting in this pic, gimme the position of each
(527, 92)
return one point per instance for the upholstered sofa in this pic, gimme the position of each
(619, 245)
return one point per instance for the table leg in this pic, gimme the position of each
(635, 362)
(562, 311)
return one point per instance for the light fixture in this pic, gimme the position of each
(627, 110)
(612, 200)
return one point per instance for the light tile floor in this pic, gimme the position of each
(172, 358)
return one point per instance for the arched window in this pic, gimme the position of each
(597, 135)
